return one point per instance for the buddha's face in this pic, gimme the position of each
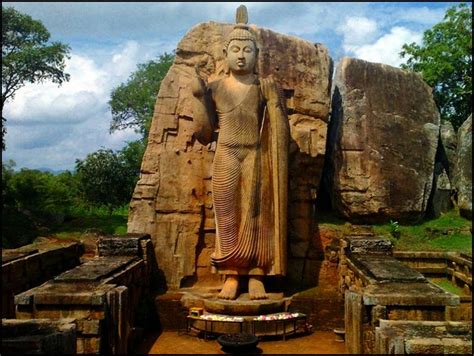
(241, 56)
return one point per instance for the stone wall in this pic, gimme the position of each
(173, 198)
(31, 265)
(40, 336)
(102, 295)
(382, 142)
(423, 337)
(453, 265)
(378, 287)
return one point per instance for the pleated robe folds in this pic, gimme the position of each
(250, 188)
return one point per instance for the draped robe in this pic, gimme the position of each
(249, 183)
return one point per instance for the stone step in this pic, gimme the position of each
(385, 269)
(96, 269)
(368, 244)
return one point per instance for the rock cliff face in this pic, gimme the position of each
(449, 143)
(383, 138)
(463, 168)
(443, 188)
(173, 199)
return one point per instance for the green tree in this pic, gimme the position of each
(103, 179)
(8, 198)
(27, 57)
(132, 103)
(131, 156)
(42, 193)
(444, 60)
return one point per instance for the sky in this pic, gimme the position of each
(50, 126)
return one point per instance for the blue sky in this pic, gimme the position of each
(50, 127)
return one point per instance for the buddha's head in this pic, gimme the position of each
(241, 50)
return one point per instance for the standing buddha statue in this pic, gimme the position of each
(250, 167)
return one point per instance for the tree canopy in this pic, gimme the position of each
(27, 57)
(444, 60)
(132, 102)
(107, 178)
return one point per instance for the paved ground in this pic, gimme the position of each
(170, 342)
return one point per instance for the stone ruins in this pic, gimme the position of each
(364, 138)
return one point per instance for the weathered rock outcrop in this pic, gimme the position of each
(173, 199)
(383, 137)
(445, 160)
(449, 143)
(463, 170)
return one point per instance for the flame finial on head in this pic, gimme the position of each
(241, 15)
(241, 30)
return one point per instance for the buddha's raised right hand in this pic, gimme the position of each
(198, 87)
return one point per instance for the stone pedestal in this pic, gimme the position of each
(224, 316)
(243, 305)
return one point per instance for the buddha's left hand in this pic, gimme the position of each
(270, 90)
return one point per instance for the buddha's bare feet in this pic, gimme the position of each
(229, 291)
(256, 288)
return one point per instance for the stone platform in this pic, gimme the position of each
(275, 324)
(379, 287)
(40, 336)
(243, 305)
(101, 295)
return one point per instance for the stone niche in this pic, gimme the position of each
(382, 143)
(173, 198)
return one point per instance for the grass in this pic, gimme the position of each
(433, 234)
(449, 232)
(84, 221)
(447, 286)
(19, 229)
(429, 235)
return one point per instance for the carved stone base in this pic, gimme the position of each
(243, 305)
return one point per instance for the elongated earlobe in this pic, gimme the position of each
(255, 68)
(226, 66)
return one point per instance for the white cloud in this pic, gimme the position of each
(51, 126)
(357, 31)
(386, 49)
(125, 61)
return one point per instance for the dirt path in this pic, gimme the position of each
(169, 342)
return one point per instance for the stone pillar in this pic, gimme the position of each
(353, 311)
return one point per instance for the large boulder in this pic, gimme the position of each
(383, 138)
(173, 198)
(463, 169)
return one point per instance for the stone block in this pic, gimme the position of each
(95, 269)
(123, 245)
(40, 336)
(385, 269)
(354, 316)
(89, 345)
(457, 346)
(423, 337)
(424, 346)
(89, 327)
(366, 244)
